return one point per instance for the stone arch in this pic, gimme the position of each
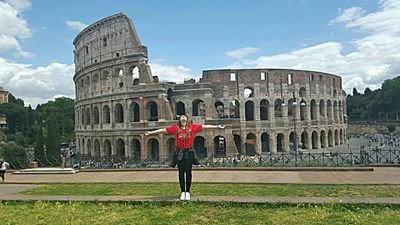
(96, 115)
(96, 149)
(264, 104)
(322, 111)
(95, 82)
(170, 94)
(136, 153)
(87, 83)
(322, 139)
(120, 149)
(170, 147)
(251, 141)
(304, 140)
(87, 115)
(249, 110)
(314, 140)
(106, 114)
(153, 149)
(280, 142)
(238, 143)
(292, 141)
(107, 148)
(89, 147)
(220, 147)
(303, 110)
(234, 109)
(180, 108)
(336, 137)
(341, 136)
(248, 92)
(199, 147)
(278, 107)
(134, 112)
(330, 138)
(329, 109)
(313, 109)
(220, 108)
(83, 117)
(198, 108)
(265, 143)
(340, 111)
(119, 113)
(135, 75)
(335, 111)
(291, 109)
(152, 110)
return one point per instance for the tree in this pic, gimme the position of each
(14, 154)
(39, 147)
(53, 142)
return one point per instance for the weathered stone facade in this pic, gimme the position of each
(264, 110)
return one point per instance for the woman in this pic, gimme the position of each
(184, 137)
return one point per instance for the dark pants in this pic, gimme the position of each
(185, 170)
(2, 172)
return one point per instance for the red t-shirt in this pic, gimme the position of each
(183, 140)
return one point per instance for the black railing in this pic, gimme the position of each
(300, 159)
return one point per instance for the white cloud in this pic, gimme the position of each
(242, 52)
(37, 85)
(348, 15)
(375, 57)
(12, 26)
(171, 73)
(76, 25)
(20, 5)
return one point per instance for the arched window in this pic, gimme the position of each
(120, 147)
(104, 42)
(135, 149)
(264, 109)
(119, 113)
(106, 114)
(153, 150)
(134, 112)
(152, 110)
(265, 143)
(198, 108)
(199, 147)
(219, 106)
(96, 115)
(180, 108)
(107, 149)
(220, 147)
(249, 110)
(251, 144)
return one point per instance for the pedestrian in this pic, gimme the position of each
(3, 167)
(185, 156)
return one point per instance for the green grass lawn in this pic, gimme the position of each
(219, 189)
(195, 213)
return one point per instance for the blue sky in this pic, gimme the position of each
(357, 39)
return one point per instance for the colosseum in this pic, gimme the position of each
(264, 110)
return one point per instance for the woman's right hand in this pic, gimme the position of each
(147, 133)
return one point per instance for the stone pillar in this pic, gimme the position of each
(272, 142)
(286, 142)
(309, 140)
(143, 147)
(142, 108)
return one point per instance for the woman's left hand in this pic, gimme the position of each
(221, 126)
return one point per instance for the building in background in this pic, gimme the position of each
(3, 99)
(264, 110)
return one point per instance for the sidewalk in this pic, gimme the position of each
(17, 183)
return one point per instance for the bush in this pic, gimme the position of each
(14, 154)
(391, 128)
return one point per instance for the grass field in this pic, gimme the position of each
(219, 189)
(195, 213)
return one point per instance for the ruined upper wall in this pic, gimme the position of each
(110, 38)
(275, 76)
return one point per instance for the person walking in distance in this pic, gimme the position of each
(184, 156)
(3, 167)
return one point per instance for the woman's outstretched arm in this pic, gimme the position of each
(159, 131)
(214, 126)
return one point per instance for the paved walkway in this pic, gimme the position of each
(17, 183)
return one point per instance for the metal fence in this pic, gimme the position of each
(300, 159)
